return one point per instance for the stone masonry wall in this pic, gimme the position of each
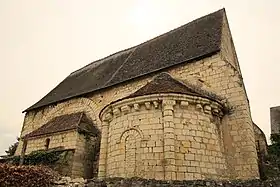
(261, 142)
(82, 163)
(83, 160)
(199, 145)
(214, 73)
(65, 139)
(128, 153)
(146, 140)
(217, 75)
(91, 106)
(79, 157)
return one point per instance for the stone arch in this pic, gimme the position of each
(130, 140)
(88, 106)
(137, 132)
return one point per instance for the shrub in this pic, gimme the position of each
(40, 157)
(272, 160)
(12, 148)
(26, 176)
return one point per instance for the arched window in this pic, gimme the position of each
(47, 143)
(130, 155)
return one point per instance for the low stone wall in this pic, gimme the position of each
(136, 182)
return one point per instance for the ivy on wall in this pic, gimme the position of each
(43, 157)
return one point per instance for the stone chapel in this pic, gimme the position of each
(172, 108)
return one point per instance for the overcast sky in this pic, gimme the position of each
(43, 41)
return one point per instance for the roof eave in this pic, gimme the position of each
(45, 134)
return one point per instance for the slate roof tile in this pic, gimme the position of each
(64, 123)
(165, 83)
(194, 40)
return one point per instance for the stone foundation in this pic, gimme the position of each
(120, 182)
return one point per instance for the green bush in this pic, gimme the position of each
(41, 157)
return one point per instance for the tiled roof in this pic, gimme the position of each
(197, 39)
(65, 123)
(164, 83)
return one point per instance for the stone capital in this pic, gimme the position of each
(207, 109)
(168, 103)
(184, 104)
(136, 107)
(117, 112)
(125, 109)
(148, 105)
(155, 104)
(107, 117)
